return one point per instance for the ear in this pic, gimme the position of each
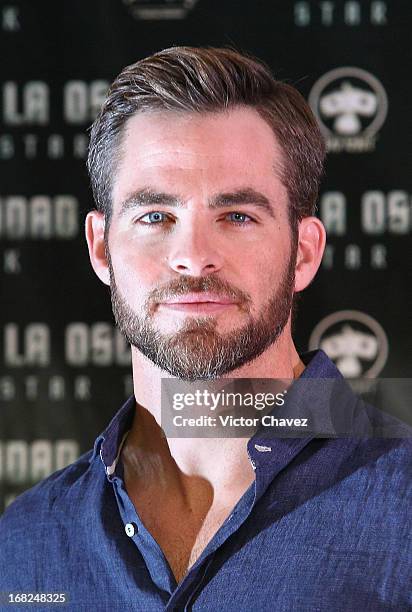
(94, 227)
(312, 240)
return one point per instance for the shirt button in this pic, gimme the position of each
(130, 529)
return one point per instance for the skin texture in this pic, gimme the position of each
(196, 159)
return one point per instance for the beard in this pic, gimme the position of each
(198, 351)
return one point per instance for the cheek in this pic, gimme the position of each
(271, 267)
(259, 274)
(136, 267)
(273, 263)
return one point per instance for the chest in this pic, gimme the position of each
(181, 534)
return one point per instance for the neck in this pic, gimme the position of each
(193, 455)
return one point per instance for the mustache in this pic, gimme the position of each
(190, 284)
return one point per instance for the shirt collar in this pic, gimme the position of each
(109, 443)
(267, 450)
(318, 365)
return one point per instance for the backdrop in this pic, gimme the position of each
(65, 370)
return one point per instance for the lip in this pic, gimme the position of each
(198, 303)
(199, 298)
(197, 307)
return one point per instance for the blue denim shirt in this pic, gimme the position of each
(325, 526)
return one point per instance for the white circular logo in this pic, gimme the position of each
(158, 9)
(355, 341)
(349, 102)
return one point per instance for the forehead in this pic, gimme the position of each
(190, 151)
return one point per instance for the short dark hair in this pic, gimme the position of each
(199, 80)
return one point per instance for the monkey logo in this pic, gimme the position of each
(346, 105)
(158, 9)
(351, 106)
(354, 340)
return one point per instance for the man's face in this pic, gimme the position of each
(199, 247)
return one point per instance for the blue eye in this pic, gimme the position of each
(154, 218)
(239, 218)
(157, 218)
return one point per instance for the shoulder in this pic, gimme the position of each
(373, 472)
(44, 532)
(390, 456)
(389, 446)
(393, 454)
(43, 505)
(373, 439)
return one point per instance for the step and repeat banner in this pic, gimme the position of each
(65, 369)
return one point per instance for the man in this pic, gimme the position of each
(205, 172)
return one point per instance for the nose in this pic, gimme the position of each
(193, 252)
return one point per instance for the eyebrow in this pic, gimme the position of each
(149, 197)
